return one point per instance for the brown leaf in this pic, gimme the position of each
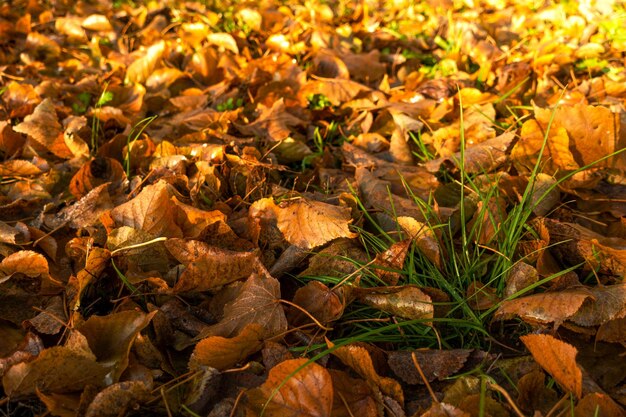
(435, 364)
(552, 307)
(20, 98)
(593, 131)
(24, 262)
(520, 276)
(406, 301)
(598, 404)
(58, 369)
(209, 267)
(194, 221)
(256, 303)
(95, 173)
(306, 223)
(294, 389)
(533, 393)
(274, 123)
(151, 211)
(111, 337)
(444, 410)
(141, 68)
(480, 296)
(317, 299)
(358, 358)
(222, 353)
(391, 261)
(352, 396)
(118, 398)
(556, 154)
(19, 168)
(42, 125)
(337, 91)
(557, 358)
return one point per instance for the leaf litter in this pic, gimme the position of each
(312, 208)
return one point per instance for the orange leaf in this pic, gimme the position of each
(558, 359)
(222, 353)
(358, 358)
(294, 389)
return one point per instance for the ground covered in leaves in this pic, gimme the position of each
(312, 208)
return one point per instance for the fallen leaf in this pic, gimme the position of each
(435, 364)
(294, 388)
(256, 303)
(209, 267)
(319, 301)
(557, 358)
(116, 399)
(598, 404)
(42, 125)
(351, 396)
(141, 68)
(406, 301)
(110, 338)
(57, 369)
(151, 211)
(222, 353)
(307, 223)
(358, 359)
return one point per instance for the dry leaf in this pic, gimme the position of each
(358, 358)
(151, 211)
(294, 388)
(116, 399)
(256, 303)
(558, 359)
(435, 364)
(58, 369)
(42, 125)
(406, 301)
(141, 68)
(352, 396)
(110, 338)
(307, 223)
(209, 267)
(222, 353)
(319, 301)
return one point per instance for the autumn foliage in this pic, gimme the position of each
(312, 208)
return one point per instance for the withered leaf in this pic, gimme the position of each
(57, 369)
(352, 396)
(444, 410)
(391, 261)
(151, 211)
(42, 125)
(222, 353)
(29, 263)
(558, 359)
(598, 404)
(209, 267)
(141, 68)
(553, 307)
(95, 173)
(256, 303)
(435, 364)
(110, 337)
(358, 358)
(406, 301)
(293, 389)
(307, 223)
(118, 398)
(317, 299)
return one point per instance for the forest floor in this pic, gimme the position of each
(312, 208)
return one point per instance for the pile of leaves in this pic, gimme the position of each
(311, 208)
